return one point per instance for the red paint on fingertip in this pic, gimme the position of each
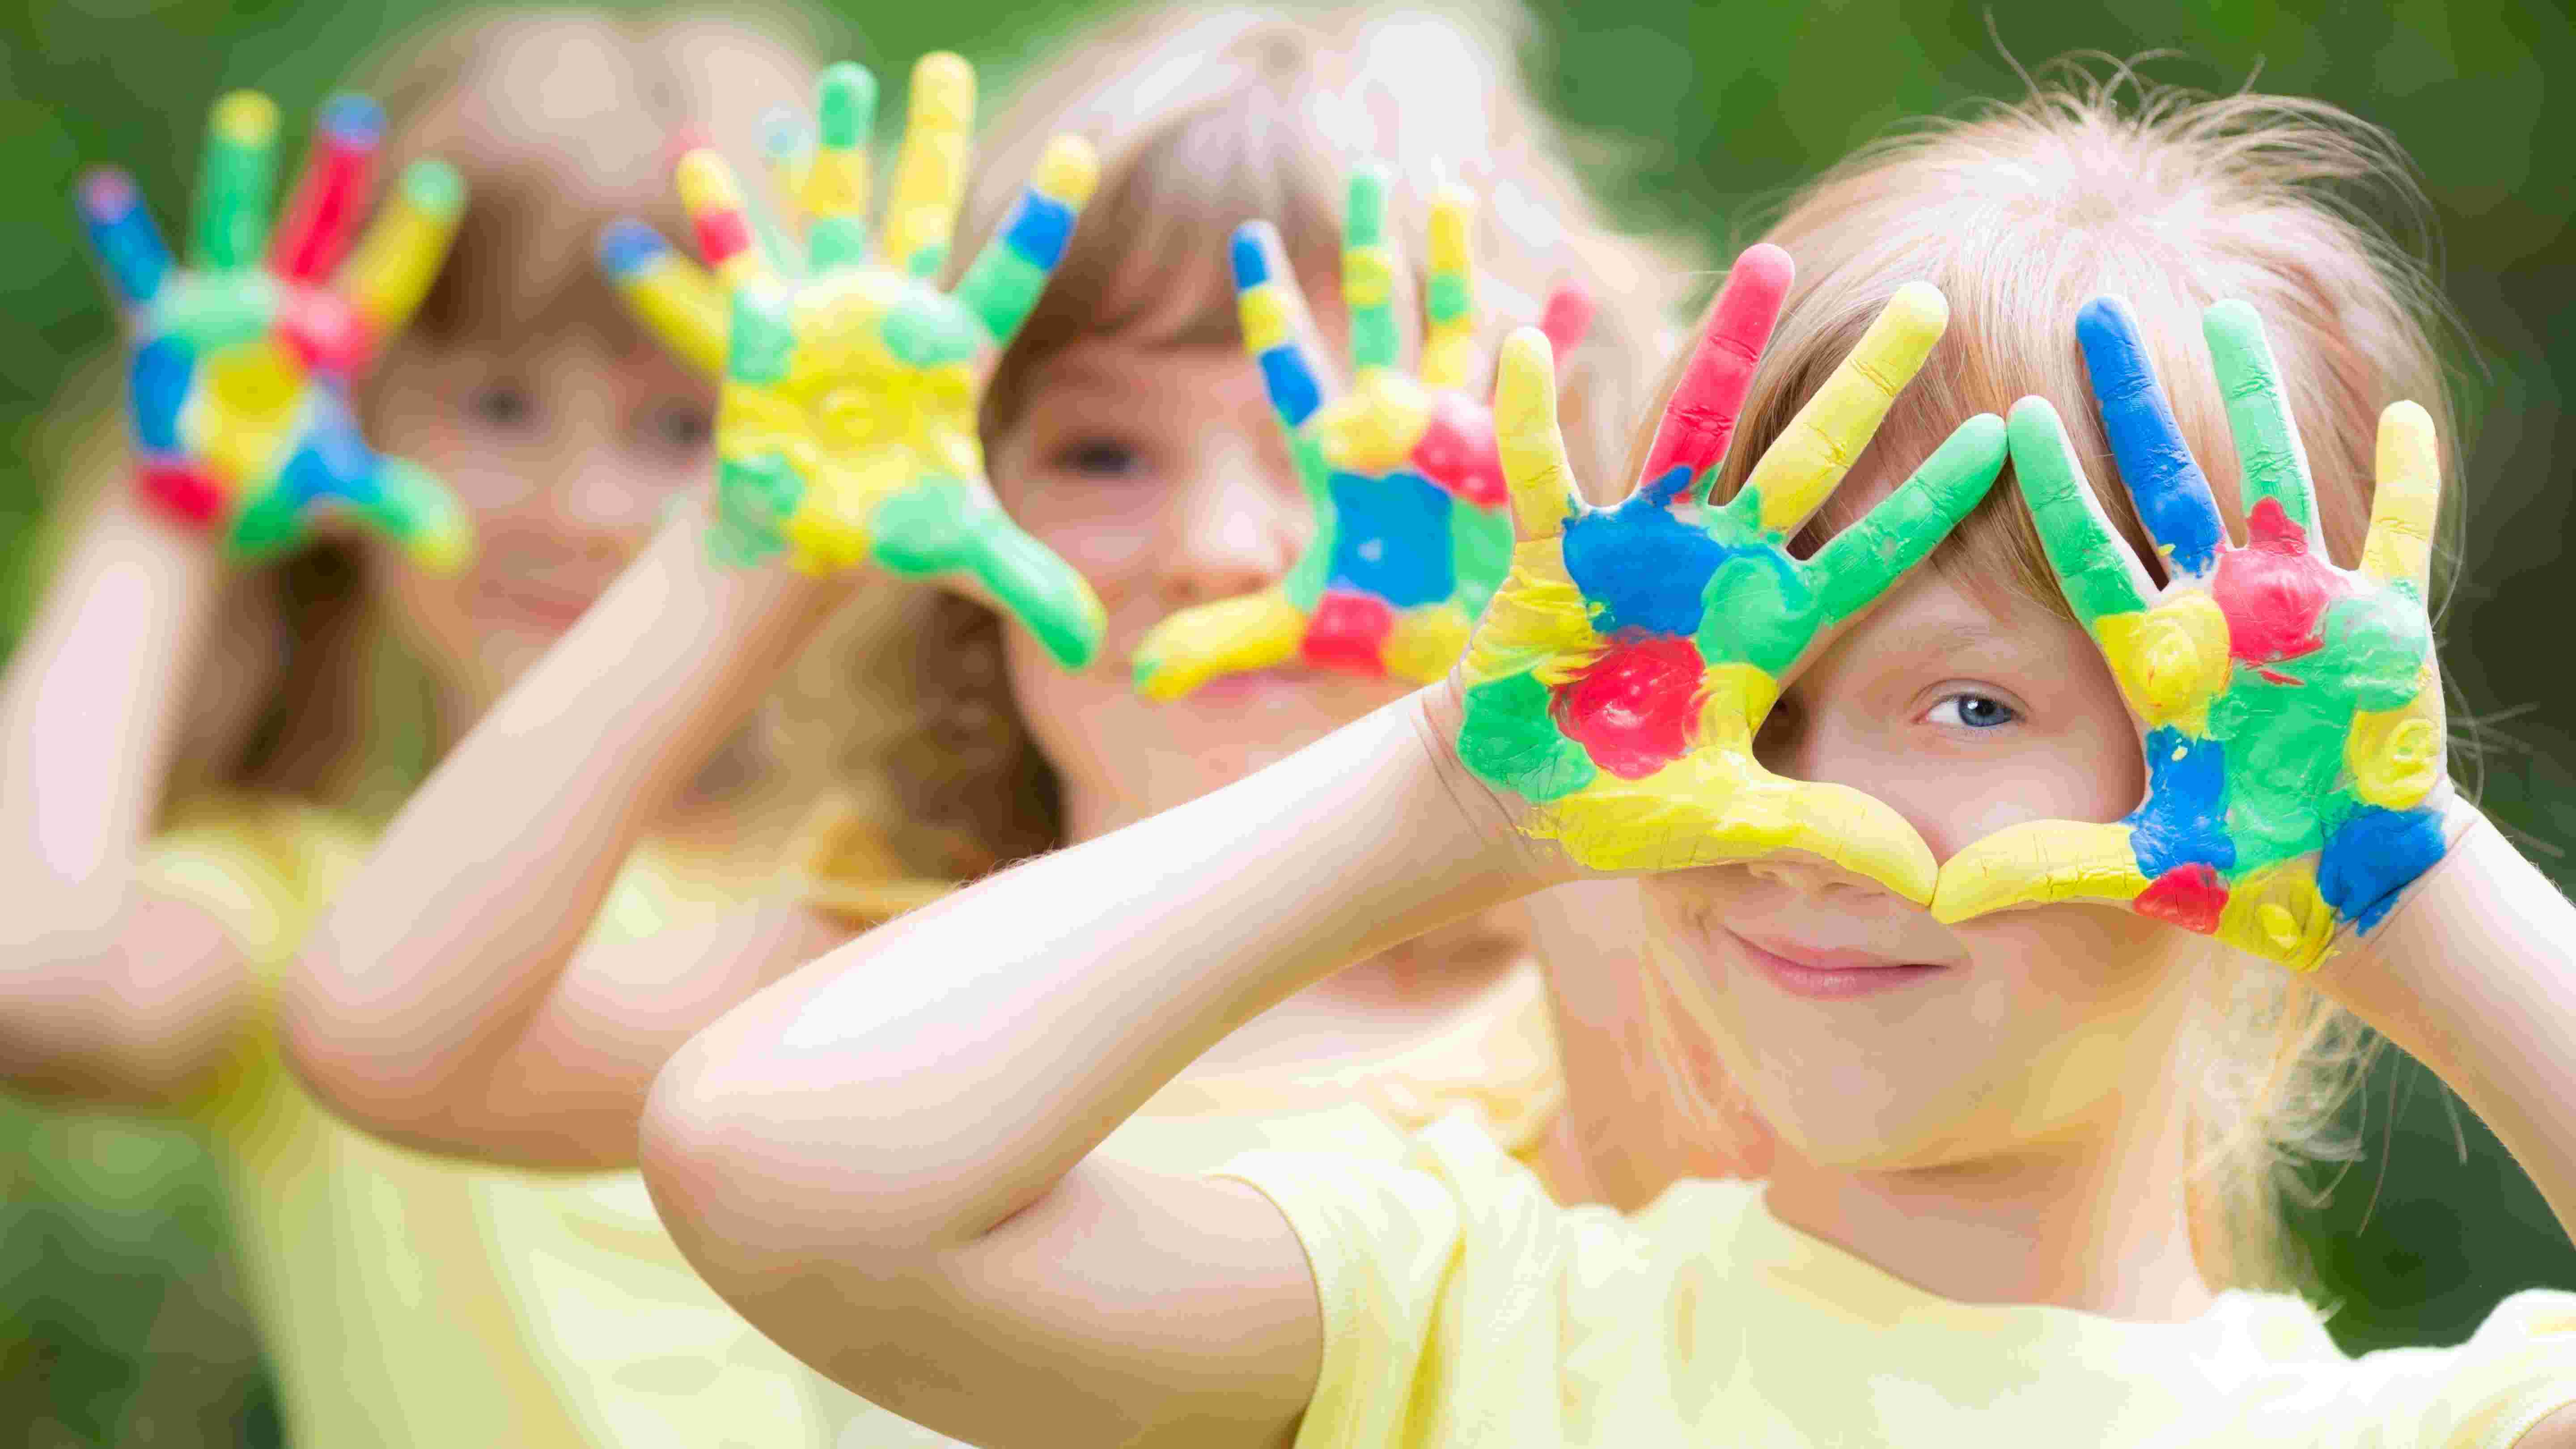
(1700, 420)
(2189, 896)
(1567, 318)
(1633, 709)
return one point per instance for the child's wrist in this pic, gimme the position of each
(1437, 711)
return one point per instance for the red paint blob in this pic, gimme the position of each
(1348, 633)
(1633, 708)
(722, 236)
(1457, 451)
(324, 331)
(180, 490)
(2273, 591)
(2190, 896)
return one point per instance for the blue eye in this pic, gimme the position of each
(1972, 711)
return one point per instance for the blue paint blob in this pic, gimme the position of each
(2372, 856)
(160, 384)
(334, 463)
(1669, 486)
(1293, 389)
(129, 246)
(1639, 566)
(354, 119)
(1391, 538)
(2184, 821)
(1251, 264)
(2172, 496)
(628, 246)
(1040, 229)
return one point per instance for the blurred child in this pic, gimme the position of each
(197, 753)
(2021, 1187)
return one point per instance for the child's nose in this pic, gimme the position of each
(598, 494)
(1230, 533)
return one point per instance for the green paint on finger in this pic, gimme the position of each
(233, 183)
(1509, 741)
(2375, 648)
(1001, 289)
(927, 330)
(1450, 297)
(1758, 609)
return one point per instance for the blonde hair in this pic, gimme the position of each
(2020, 214)
(1205, 119)
(558, 121)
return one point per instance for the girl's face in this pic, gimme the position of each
(565, 453)
(1161, 473)
(1966, 714)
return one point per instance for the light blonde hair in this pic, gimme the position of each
(1206, 119)
(558, 120)
(2020, 214)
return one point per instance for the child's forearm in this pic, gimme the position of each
(2474, 974)
(450, 950)
(921, 1085)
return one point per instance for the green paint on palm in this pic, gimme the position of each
(1480, 554)
(761, 336)
(210, 313)
(941, 525)
(1758, 610)
(2284, 747)
(1304, 585)
(2375, 648)
(927, 330)
(925, 262)
(836, 242)
(753, 496)
(267, 525)
(1509, 741)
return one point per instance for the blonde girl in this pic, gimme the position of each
(449, 1001)
(2000, 1207)
(196, 753)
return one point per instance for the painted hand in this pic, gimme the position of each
(846, 432)
(1412, 532)
(1617, 681)
(243, 359)
(2291, 710)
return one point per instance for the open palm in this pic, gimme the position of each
(243, 359)
(2291, 711)
(1412, 533)
(847, 431)
(1616, 682)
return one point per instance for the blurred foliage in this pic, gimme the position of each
(116, 1325)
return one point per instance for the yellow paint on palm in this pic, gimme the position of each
(930, 175)
(247, 417)
(829, 531)
(1424, 642)
(2170, 661)
(1233, 636)
(2395, 755)
(2036, 863)
(1828, 434)
(1537, 620)
(1372, 429)
(2277, 912)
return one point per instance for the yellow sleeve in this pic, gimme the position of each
(2518, 1369)
(1456, 1296)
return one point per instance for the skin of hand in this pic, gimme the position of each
(243, 358)
(846, 432)
(1412, 533)
(1610, 695)
(2291, 711)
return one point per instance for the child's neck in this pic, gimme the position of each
(2096, 1224)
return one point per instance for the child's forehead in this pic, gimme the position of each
(1935, 621)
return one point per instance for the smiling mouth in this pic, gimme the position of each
(1821, 975)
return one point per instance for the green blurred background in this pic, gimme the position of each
(117, 1324)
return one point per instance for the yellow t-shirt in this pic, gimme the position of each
(408, 1299)
(1462, 1306)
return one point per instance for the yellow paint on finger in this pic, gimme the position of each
(2400, 545)
(930, 173)
(835, 183)
(2038, 863)
(1368, 276)
(1068, 170)
(2170, 661)
(2276, 912)
(1537, 621)
(393, 265)
(1232, 636)
(1425, 642)
(1527, 436)
(1266, 323)
(1372, 429)
(2396, 755)
(1820, 444)
(679, 303)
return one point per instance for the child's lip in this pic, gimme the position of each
(1830, 973)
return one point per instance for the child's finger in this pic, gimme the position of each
(1856, 831)
(1276, 329)
(1526, 432)
(2399, 548)
(1369, 268)
(2094, 567)
(1002, 285)
(672, 296)
(1811, 457)
(417, 511)
(1862, 561)
(1700, 420)
(2172, 495)
(1567, 317)
(2036, 863)
(1231, 636)
(385, 278)
(233, 183)
(789, 151)
(121, 235)
(930, 171)
(2274, 462)
(1449, 341)
(715, 206)
(321, 215)
(836, 182)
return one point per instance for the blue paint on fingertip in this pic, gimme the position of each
(628, 246)
(1040, 229)
(1293, 388)
(354, 119)
(1251, 262)
(2172, 495)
